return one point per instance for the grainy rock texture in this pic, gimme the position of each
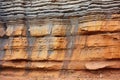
(60, 39)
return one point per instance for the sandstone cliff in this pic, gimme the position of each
(54, 38)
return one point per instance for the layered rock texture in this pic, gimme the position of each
(54, 38)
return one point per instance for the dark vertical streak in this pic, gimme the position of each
(70, 45)
(29, 50)
(49, 39)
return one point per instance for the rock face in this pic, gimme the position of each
(44, 38)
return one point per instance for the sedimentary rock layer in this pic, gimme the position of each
(60, 8)
(44, 38)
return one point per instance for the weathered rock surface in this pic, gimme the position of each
(49, 38)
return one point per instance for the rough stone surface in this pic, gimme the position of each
(60, 39)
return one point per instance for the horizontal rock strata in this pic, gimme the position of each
(47, 37)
